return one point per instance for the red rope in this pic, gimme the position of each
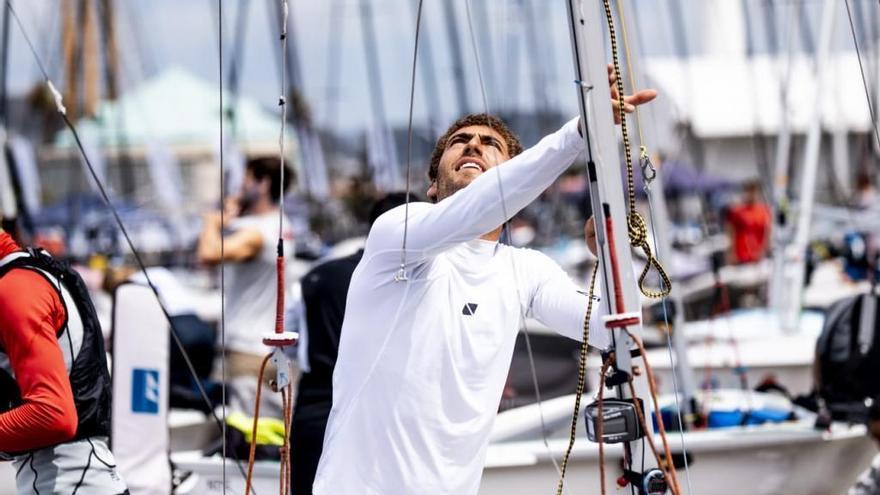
(615, 272)
(253, 449)
(669, 468)
(287, 412)
(279, 301)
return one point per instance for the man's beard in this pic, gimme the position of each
(247, 201)
(446, 188)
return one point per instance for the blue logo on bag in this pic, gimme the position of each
(145, 391)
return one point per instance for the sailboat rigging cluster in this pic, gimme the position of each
(651, 425)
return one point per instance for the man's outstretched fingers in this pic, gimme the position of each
(639, 98)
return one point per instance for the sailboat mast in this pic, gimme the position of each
(537, 71)
(4, 67)
(619, 289)
(811, 166)
(457, 57)
(429, 75)
(686, 383)
(8, 196)
(374, 80)
(381, 150)
(483, 34)
(7, 191)
(781, 215)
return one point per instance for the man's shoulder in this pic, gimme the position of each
(263, 220)
(400, 213)
(394, 219)
(530, 255)
(23, 279)
(24, 289)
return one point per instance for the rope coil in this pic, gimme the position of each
(638, 228)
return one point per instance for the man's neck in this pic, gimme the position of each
(262, 207)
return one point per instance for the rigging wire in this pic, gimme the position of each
(637, 230)
(401, 274)
(522, 316)
(280, 339)
(647, 165)
(59, 105)
(223, 377)
(282, 102)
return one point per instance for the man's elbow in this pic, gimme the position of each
(61, 426)
(208, 257)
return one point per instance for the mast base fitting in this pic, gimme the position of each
(282, 339)
(621, 320)
(608, 353)
(651, 482)
(616, 378)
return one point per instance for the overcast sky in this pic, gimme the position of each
(157, 34)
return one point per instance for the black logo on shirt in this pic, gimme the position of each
(469, 309)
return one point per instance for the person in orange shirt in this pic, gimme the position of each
(749, 226)
(54, 382)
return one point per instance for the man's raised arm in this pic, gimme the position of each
(479, 208)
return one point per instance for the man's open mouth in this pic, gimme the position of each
(470, 163)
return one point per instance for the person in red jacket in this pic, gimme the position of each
(749, 226)
(54, 382)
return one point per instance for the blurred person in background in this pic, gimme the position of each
(249, 233)
(860, 253)
(55, 395)
(866, 197)
(318, 319)
(749, 223)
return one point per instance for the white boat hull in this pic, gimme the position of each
(766, 460)
(750, 340)
(779, 459)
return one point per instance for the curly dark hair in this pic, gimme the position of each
(269, 167)
(514, 147)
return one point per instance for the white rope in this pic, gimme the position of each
(282, 102)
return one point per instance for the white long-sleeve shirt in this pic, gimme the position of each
(422, 363)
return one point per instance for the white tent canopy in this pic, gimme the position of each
(178, 109)
(733, 96)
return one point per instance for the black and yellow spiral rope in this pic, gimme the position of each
(636, 225)
(581, 380)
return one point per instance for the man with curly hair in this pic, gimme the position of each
(432, 315)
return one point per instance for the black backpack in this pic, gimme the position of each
(848, 356)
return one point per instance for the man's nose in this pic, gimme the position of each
(473, 146)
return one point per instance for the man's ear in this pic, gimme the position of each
(432, 191)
